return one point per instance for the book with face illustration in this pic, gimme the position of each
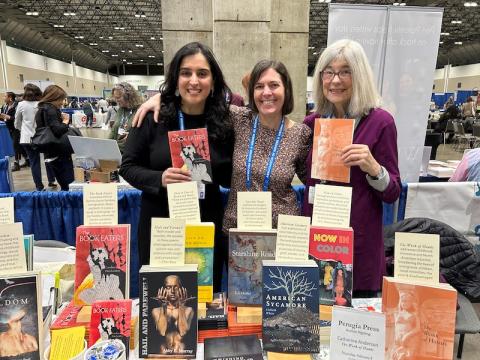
(20, 317)
(102, 263)
(189, 150)
(330, 136)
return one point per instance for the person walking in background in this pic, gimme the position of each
(8, 115)
(25, 123)
(88, 111)
(128, 101)
(49, 114)
(111, 113)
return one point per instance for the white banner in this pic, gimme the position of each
(456, 204)
(402, 45)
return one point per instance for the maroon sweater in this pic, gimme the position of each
(378, 131)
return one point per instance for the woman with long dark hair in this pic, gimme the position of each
(25, 122)
(192, 96)
(49, 114)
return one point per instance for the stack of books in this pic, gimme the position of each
(236, 328)
(212, 318)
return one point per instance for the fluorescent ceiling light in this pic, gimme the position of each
(445, 33)
(458, 43)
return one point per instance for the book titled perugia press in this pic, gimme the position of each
(332, 250)
(20, 317)
(111, 320)
(290, 307)
(190, 151)
(102, 263)
(168, 312)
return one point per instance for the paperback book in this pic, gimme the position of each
(199, 240)
(247, 249)
(420, 319)
(290, 307)
(190, 151)
(245, 347)
(168, 311)
(111, 320)
(102, 263)
(332, 250)
(28, 242)
(21, 321)
(330, 136)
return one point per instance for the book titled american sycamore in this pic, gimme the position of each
(102, 263)
(330, 136)
(190, 151)
(420, 319)
(290, 307)
(332, 250)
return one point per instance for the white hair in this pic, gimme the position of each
(365, 95)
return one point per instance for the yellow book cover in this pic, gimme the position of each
(249, 314)
(420, 319)
(199, 241)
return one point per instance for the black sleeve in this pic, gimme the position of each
(52, 118)
(135, 167)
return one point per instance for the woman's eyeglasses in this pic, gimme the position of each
(328, 75)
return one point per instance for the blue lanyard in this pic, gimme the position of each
(181, 120)
(273, 155)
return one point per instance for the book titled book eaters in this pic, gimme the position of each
(247, 249)
(190, 151)
(290, 307)
(102, 263)
(420, 319)
(168, 312)
(111, 320)
(20, 317)
(332, 250)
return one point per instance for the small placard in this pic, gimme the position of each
(167, 242)
(183, 201)
(12, 249)
(100, 204)
(331, 206)
(6, 210)
(417, 257)
(254, 210)
(292, 238)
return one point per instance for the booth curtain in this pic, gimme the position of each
(4, 183)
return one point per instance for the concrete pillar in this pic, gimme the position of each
(3, 64)
(74, 76)
(289, 34)
(184, 21)
(446, 75)
(241, 37)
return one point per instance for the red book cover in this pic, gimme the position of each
(111, 320)
(332, 249)
(102, 263)
(67, 318)
(190, 151)
(420, 320)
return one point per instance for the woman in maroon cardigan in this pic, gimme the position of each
(344, 88)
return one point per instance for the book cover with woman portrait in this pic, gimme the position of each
(20, 317)
(420, 319)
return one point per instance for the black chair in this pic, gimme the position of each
(466, 322)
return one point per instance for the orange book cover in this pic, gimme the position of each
(330, 136)
(420, 320)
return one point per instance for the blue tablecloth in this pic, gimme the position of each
(4, 182)
(6, 145)
(56, 215)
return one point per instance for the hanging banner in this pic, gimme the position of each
(401, 44)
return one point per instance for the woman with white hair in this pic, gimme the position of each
(344, 88)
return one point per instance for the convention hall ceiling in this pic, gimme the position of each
(114, 34)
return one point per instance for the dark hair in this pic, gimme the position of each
(31, 92)
(52, 93)
(278, 66)
(217, 105)
(11, 95)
